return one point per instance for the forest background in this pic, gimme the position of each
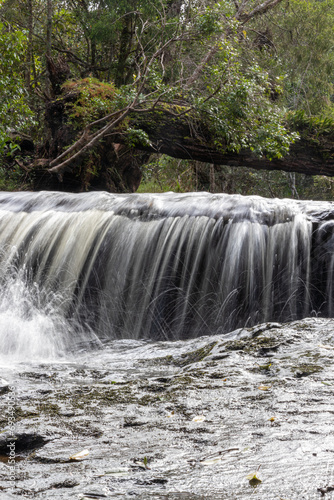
(156, 95)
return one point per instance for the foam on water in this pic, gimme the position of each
(32, 326)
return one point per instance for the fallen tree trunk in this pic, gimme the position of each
(312, 154)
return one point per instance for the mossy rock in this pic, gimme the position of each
(305, 369)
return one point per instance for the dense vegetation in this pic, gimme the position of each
(243, 75)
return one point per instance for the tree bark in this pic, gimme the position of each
(48, 29)
(29, 55)
(180, 138)
(48, 44)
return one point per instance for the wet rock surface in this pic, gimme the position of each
(178, 420)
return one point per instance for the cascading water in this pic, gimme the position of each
(92, 267)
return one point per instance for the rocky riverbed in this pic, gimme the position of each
(237, 416)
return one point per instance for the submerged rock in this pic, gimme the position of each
(4, 386)
(23, 442)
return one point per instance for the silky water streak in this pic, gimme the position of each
(81, 269)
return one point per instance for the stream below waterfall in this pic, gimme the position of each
(172, 346)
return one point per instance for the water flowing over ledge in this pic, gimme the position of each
(88, 268)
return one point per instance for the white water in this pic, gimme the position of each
(77, 268)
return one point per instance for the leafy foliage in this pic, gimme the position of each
(296, 40)
(14, 110)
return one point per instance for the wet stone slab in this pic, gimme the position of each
(245, 415)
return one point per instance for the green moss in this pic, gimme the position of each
(49, 408)
(305, 369)
(253, 345)
(92, 100)
(21, 414)
(147, 400)
(195, 356)
(183, 380)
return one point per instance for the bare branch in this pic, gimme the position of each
(21, 165)
(201, 65)
(107, 117)
(262, 8)
(92, 141)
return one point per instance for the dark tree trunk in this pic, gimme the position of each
(124, 50)
(29, 55)
(114, 168)
(110, 166)
(180, 138)
(48, 43)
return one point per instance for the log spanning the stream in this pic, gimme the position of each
(180, 138)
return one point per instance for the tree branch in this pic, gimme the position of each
(262, 8)
(209, 55)
(88, 143)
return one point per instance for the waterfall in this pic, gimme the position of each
(85, 268)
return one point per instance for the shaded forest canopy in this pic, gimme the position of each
(94, 96)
